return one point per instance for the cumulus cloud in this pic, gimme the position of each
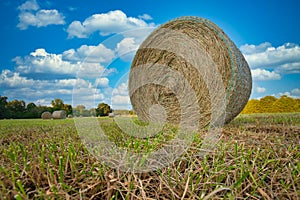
(29, 5)
(40, 61)
(30, 15)
(296, 92)
(105, 23)
(90, 54)
(284, 59)
(102, 82)
(43, 91)
(145, 17)
(13, 80)
(264, 75)
(120, 98)
(260, 89)
(126, 48)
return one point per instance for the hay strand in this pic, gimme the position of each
(59, 114)
(189, 54)
(46, 115)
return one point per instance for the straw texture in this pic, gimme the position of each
(59, 114)
(46, 115)
(193, 53)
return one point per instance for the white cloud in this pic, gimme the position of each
(30, 15)
(13, 80)
(122, 89)
(260, 89)
(83, 91)
(296, 91)
(264, 75)
(120, 102)
(102, 82)
(289, 68)
(283, 59)
(120, 98)
(127, 48)
(249, 49)
(40, 61)
(145, 17)
(90, 54)
(105, 23)
(29, 5)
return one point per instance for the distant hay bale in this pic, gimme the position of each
(202, 54)
(46, 115)
(111, 115)
(59, 114)
(70, 116)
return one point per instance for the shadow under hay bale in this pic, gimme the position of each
(46, 115)
(200, 52)
(59, 114)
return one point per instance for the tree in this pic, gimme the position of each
(16, 108)
(78, 110)
(103, 109)
(57, 104)
(68, 109)
(31, 106)
(93, 112)
(32, 111)
(3, 107)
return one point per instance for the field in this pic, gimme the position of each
(257, 157)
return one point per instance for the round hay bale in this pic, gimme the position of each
(59, 114)
(70, 116)
(195, 52)
(46, 115)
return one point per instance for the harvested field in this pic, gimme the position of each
(257, 157)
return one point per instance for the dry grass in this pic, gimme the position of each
(257, 158)
(189, 66)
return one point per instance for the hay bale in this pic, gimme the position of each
(59, 114)
(111, 115)
(46, 115)
(189, 54)
(70, 116)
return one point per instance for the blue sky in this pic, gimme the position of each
(48, 47)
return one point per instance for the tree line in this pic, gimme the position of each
(271, 104)
(18, 109)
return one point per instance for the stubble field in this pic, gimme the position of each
(257, 157)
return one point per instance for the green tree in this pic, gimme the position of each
(57, 104)
(31, 106)
(93, 112)
(78, 110)
(103, 109)
(68, 109)
(16, 108)
(32, 111)
(3, 107)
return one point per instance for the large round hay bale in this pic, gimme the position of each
(46, 115)
(189, 51)
(59, 114)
